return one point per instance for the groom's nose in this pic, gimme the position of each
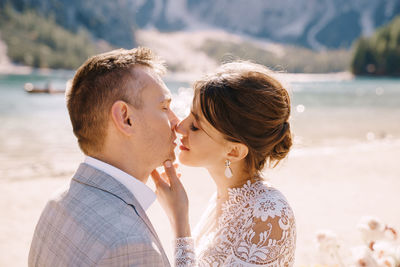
(173, 119)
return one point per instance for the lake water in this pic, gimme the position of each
(328, 111)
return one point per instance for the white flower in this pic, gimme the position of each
(384, 248)
(328, 246)
(397, 254)
(386, 262)
(371, 229)
(362, 257)
(327, 241)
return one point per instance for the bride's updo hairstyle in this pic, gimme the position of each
(247, 105)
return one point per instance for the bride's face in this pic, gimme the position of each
(202, 145)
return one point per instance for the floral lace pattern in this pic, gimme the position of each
(256, 228)
(184, 252)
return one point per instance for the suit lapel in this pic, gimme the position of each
(142, 214)
(93, 177)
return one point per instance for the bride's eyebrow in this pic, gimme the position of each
(199, 122)
(195, 116)
(197, 119)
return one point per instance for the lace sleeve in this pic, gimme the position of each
(268, 238)
(184, 252)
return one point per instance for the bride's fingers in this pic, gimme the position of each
(165, 177)
(156, 177)
(158, 181)
(171, 173)
(176, 165)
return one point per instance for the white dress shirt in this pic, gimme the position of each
(144, 195)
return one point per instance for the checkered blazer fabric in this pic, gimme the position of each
(96, 222)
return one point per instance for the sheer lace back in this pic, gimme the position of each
(256, 227)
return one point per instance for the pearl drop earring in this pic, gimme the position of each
(228, 171)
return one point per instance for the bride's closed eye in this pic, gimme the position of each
(193, 128)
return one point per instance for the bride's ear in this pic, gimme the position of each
(237, 152)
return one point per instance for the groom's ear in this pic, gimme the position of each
(237, 152)
(121, 117)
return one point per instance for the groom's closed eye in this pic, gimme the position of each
(165, 104)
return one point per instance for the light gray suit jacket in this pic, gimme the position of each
(96, 222)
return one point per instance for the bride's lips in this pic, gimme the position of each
(183, 147)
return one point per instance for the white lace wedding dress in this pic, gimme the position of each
(256, 228)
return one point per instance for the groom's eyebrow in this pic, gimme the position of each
(166, 100)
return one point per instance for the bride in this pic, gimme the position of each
(238, 124)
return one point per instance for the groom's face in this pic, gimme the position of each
(155, 122)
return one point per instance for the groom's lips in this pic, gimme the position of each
(174, 141)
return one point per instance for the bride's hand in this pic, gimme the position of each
(173, 198)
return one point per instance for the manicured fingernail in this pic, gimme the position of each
(168, 164)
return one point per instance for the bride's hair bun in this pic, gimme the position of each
(246, 104)
(282, 148)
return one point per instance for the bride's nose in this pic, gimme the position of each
(180, 127)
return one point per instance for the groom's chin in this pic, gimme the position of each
(171, 157)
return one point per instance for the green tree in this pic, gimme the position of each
(379, 54)
(39, 42)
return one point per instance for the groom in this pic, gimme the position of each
(120, 113)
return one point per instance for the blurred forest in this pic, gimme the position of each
(112, 21)
(39, 42)
(380, 53)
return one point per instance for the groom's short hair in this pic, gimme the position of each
(97, 85)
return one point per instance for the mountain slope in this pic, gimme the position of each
(317, 24)
(198, 52)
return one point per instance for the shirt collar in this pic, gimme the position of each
(144, 195)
